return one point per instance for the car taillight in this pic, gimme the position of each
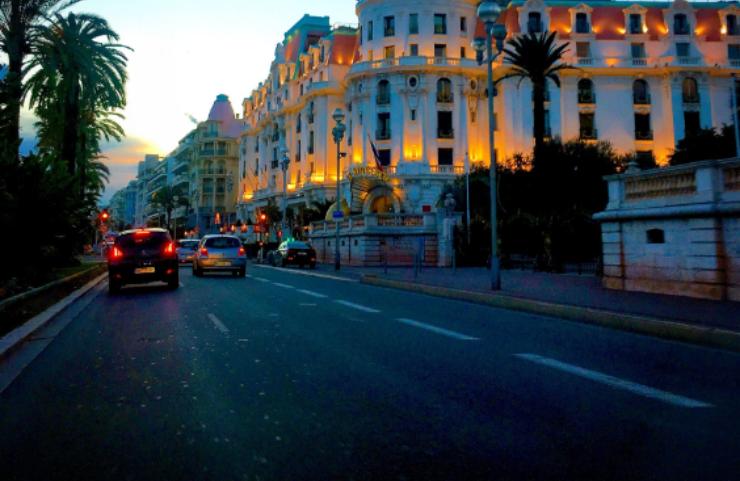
(169, 249)
(116, 253)
(242, 252)
(203, 252)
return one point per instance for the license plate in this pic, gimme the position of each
(223, 264)
(145, 270)
(301, 253)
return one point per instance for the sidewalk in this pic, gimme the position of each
(569, 289)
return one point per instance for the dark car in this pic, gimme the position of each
(219, 253)
(294, 252)
(142, 256)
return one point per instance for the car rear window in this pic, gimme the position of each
(298, 245)
(190, 244)
(143, 240)
(222, 242)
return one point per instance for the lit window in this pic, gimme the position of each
(440, 23)
(413, 24)
(389, 26)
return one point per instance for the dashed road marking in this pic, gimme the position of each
(182, 284)
(357, 306)
(313, 294)
(284, 286)
(615, 382)
(308, 304)
(217, 322)
(437, 330)
(261, 279)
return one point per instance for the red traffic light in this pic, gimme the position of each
(104, 216)
(263, 217)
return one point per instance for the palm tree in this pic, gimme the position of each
(78, 78)
(537, 58)
(17, 20)
(167, 199)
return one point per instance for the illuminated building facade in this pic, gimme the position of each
(408, 81)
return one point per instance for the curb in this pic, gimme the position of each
(16, 337)
(651, 326)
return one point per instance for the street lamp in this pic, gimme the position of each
(284, 163)
(489, 12)
(338, 133)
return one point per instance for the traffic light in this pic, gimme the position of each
(263, 218)
(104, 215)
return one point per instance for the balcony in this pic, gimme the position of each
(588, 133)
(688, 60)
(691, 99)
(383, 134)
(585, 60)
(447, 169)
(643, 135)
(383, 99)
(586, 97)
(448, 133)
(445, 97)
(735, 62)
(639, 61)
(212, 171)
(641, 99)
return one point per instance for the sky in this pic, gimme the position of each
(186, 52)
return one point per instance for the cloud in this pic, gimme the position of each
(122, 158)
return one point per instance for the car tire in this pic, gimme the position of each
(243, 272)
(197, 272)
(173, 282)
(114, 287)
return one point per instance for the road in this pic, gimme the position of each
(288, 376)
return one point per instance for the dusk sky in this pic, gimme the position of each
(185, 53)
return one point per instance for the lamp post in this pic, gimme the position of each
(338, 133)
(467, 198)
(734, 115)
(489, 12)
(284, 164)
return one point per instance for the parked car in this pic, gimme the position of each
(186, 250)
(220, 253)
(142, 256)
(293, 252)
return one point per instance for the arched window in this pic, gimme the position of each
(640, 92)
(732, 25)
(384, 93)
(680, 24)
(690, 90)
(444, 91)
(534, 22)
(582, 23)
(586, 91)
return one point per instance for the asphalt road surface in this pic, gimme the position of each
(287, 376)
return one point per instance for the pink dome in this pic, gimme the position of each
(223, 112)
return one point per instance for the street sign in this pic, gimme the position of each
(338, 214)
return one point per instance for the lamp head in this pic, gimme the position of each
(489, 11)
(338, 116)
(499, 32)
(479, 44)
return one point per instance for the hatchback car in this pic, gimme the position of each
(222, 253)
(186, 250)
(294, 252)
(142, 256)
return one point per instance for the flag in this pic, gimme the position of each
(376, 154)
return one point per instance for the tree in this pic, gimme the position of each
(17, 20)
(705, 144)
(78, 78)
(167, 199)
(537, 58)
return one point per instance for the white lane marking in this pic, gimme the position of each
(357, 306)
(438, 330)
(310, 274)
(261, 279)
(182, 284)
(217, 322)
(249, 276)
(312, 294)
(284, 286)
(308, 304)
(633, 387)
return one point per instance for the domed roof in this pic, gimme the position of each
(223, 112)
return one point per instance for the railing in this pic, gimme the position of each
(445, 98)
(212, 171)
(641, 99)
(688, 60)
(731, 176)
(445, 133)
(639, 61)
(383, 99)
(668, 185)
(213, 152)
(585, 60)
(691, 99)
(383, 135)
(589, 134)
(447, 169)
(643, 135)
(400, 220)
(413, 61)
(370, 220)
(735, 62)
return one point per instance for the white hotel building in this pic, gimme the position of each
(408, 81)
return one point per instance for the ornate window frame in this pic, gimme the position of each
(581, 8)
(677, 7)
(533, 6)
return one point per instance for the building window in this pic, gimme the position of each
(370, 31)
(586, 91)
(413, 115)
(534, 22)
(414, 50)
(390, 52)
(463, 52)
(444, 91)
(682, 49)
(440, 23)
(690, 91)
(680, 24)
(733, 51)
(692, 123)
(548, 131)
(642, 127)
(413, 24)
(384, 156)
(310, 112)
(440, 50)
(582, 23)
(640, 92)
(389, 26)
(298, 124)
(655, 236)
(587, 129)
(444, 126)
(299, 150)
(638, 50)
(635, 23)
(310, 143)
(583, 49)
(384, 93)
(384, 126)
(463, 24)
(445, 156)
(732, 28)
